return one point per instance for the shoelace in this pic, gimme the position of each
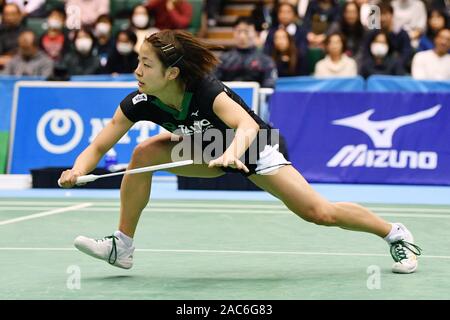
(113, 249)
(398, 251)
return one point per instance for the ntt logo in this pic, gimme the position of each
(60, 123)
(381, 133)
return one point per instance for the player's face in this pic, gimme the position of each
(150, 72)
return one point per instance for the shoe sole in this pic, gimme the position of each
(404, 271)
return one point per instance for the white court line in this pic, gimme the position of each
(221, 205)
(226, 211)
(245, 252)
(46, 213)
(23, 205)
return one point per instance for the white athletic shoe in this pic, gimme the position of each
(111, 249)
(404, 251)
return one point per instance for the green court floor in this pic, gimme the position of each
(214, 250)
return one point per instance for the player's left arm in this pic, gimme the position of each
(246, 129)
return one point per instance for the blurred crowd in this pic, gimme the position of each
(281, 38)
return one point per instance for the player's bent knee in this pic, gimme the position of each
(320, 214)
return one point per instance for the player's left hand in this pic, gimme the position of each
(228, 161)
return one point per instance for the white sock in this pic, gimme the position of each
(394, 234)
(126, 239)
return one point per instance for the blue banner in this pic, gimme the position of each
(55, 122)
(379, 83)
(313, 84)
(397, 138)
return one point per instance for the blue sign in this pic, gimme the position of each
(398, 138)
(54, 122)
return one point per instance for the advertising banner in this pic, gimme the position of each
(396, 138)
(52, 122)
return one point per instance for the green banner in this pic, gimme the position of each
(4, 136)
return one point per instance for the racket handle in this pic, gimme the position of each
(82, 180)
(85, 179)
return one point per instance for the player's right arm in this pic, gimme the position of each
(105, 140)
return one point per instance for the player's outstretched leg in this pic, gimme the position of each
(288, 185)
(118, 248)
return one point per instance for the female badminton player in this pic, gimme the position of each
(176, 91)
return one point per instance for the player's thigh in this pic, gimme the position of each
(288, 185)
(159, 149)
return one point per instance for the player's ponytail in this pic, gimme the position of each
(181, 49)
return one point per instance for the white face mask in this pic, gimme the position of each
(54, 24)
(291, 29)
(379, 49)
(124, 47)
(83, 45)
(102, 28)
(140, 20)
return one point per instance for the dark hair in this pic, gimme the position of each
(357, 30)
(431, 33)
(292, 52)
(85, 30)
(181, 49)
(385, 7)
(129, 33)
(246, 20)
(105, 17)
(341, 36)
(59, 11)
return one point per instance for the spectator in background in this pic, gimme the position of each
(350, 25)
(212, 9)
(265, 15)
(29, 61)
(320, 15)
(380, 58)
(437, 20)
(288, 20)
(81, 60)
(434, 64)
(10, 29)
(104, 40)
(85, 12)
(141, 25)
(261, 16)
(54, 41)
(442, 5)
(300, 7)
(123, 58)
(411, 16)
(399, 42)
(285, 55)
(245, 62)
(336, 63)
(171, 14)
(30, 8)
(210, 13)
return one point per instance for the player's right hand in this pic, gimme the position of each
(69, 178)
